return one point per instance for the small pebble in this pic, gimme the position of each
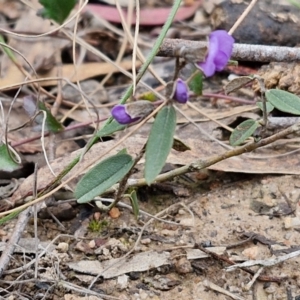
(122, 282)
(168, 232)
(251, 253)
(92, 244)
(183, 266)
(145, 241)
(187, 222)
(3, 232)
(270, 289)
(291, 222)
(114, 213)
(62, 247)
(181, 212)
(143, 295)
(97, 216)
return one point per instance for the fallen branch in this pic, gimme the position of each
(243, 52)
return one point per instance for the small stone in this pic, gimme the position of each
(288, 235)
(3, 232)
(168, 232)
(62, 247)
(270, 289)
(97, 216)
(83, 247)
(122, 282)
(251, 253)
(291, 222)
(143, 295)
(92, 244)
(187, 222)
(105, 251)
(146, 241)
(114, 213)
(183, 266)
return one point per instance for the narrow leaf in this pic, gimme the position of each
(243, 131)
(134, 204)
(196, 84)
(160, 142)
(52, 124)
(103, 176)
(284, 101)
(110, 128)
(7, 164)
(56, 10)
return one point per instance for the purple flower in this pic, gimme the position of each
(121, 115)
(181, 91)
(132, 112)
(219, 52)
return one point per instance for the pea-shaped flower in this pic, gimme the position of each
(131, 112)
(181, 91)
(219, 52)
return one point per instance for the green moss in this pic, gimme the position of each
(97, 226)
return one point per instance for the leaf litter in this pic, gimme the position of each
(219, 211)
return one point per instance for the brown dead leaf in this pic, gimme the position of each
(38, 51)
(15, 78)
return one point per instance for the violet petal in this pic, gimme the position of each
(219, 52)
(181, 93)
(120, 115)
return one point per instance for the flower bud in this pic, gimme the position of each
(132, 112)
(181, 91)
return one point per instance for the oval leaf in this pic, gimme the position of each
(102, 177)
(284, 101)
(7, 164)
(243, 131)
(270, 107)
(51, 123)
(196, 84)
(160, 142)
(56, 10)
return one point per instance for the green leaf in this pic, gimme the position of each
(10, 216)
(243, 131)
(270, 107)
(110, 128)
(7, 164)
(52, 124)
(295, 3)
(134, 204)
(160, 142)
(196, 84)
(57, 10)
(284, 101)
(150, 96)
(103, 176)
